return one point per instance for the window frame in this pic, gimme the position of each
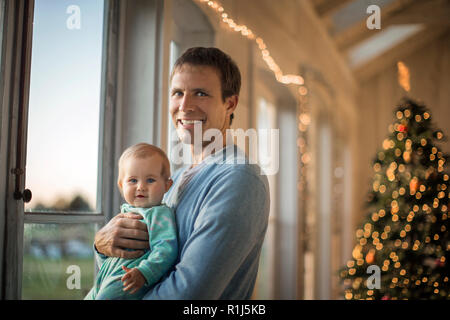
(180, 38)
(14, 86)
(3, 143)
(16, 44)
(105, 163)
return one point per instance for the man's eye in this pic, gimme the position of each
(177, 94)
(150, 180)
(201, 94)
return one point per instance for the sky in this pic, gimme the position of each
(64, 102)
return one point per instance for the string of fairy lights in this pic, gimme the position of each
(304, 118)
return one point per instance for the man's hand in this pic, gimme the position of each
(123, 231)
(132, 280)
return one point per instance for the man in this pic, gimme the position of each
(221, 205)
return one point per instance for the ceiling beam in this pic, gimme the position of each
(328, 7)
(431, 12)
(399, 52)
(359, 31)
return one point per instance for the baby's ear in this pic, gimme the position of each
(169, 183)
(119, 184)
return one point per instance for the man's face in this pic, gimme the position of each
(142, 184)
(196, 98)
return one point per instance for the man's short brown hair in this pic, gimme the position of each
(229, 74)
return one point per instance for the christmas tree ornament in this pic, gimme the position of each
(370, 257)
(414, 185)
(402, 128)
(407, 156)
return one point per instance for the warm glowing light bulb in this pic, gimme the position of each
(403, 76)
(305, 119)
(303, 91)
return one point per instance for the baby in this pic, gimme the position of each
(144, 177)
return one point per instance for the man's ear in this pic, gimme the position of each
(169, 183)
(231, 103)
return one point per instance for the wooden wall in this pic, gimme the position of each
(430, 82)
(360, 109)
(298, 40)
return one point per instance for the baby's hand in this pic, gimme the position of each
(132, 280)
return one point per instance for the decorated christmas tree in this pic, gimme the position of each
(405, 233)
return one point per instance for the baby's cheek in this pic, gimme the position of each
(159, 191)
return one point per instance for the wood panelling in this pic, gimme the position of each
(430, 82)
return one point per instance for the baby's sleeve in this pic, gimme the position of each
(163, 244)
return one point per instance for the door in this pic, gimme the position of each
(58, 161)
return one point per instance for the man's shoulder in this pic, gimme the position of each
(243, 174)
(239, 195)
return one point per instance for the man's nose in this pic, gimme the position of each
(185, 104)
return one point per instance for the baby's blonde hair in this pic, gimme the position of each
(144, 150)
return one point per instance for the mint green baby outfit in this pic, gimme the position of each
(153, 264)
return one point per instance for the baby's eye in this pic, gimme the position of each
(150, 180)
(132, 180)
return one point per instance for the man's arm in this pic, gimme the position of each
(232, 222)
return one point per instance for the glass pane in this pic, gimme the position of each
(58, 261)
(172, 132)
(64, 106)
(264, 288)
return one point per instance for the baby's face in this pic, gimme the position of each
(143, 185)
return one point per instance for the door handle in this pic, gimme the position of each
(26, 195)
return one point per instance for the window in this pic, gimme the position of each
(265, 284)
(277, 276)
(174, 153)
(189, 28)
(57, 261)
(64, 143)
(324, 212)
(64, 106)
(88, 85)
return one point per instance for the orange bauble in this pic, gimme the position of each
(370, 257)
(407, 156)
(414, 185)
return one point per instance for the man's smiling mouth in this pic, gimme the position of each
(186, 122)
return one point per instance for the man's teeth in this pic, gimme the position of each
(191, 121)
